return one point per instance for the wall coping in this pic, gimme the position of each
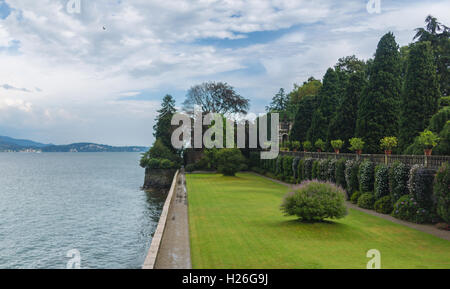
(150, 260)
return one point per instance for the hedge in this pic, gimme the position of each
(441, 192)
(384, 205)
(366, 201)
(381, 182)
(315, 170)
(307, 169)
(366, 176)
(331, 173)
(351, 176)
(295, 163)
(340, 173)
(323, 170)
(420, 185)
(301, 169)
(398, 180)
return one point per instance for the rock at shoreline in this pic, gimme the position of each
(158, 179)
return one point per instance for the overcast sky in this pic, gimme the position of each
(99, 75)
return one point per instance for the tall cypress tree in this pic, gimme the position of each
(379, 106)
(306, 107)
(343, 124)
(329, 98)
(420, 95)
(163, 129)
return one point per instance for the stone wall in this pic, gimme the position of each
(158, 179)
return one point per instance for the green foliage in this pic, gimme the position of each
(340, 173)
(366, 176)
(441, 191)
(307, 146)
(355, 196)
(389, 143)
(428, 139)
(420, 96)
(408, 209)
(158, 152)
(296, 145)
(301, 170)
(323, 170)
(308, 169)
(420, 185)
(356, 144)
(366, 201)
(443, 148)
(337, 144)
(287, 166)
(279, 166)
(379, 105)
(319, 144)
(315, 170)
(315, 201)
(384, 205)
(398, 180)
(163, 128)
(444, 101)
(304, 114)
(190, 168)
(295, 170)
(351, 176)
(331, 172)
(381, 182)
(439, 120)
(279, 103)
(230, 161)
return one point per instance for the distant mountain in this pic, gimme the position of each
(17, 145)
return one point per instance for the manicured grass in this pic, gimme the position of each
(235, 222)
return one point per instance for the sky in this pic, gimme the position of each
(99, 75)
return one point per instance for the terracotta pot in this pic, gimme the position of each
(319, 150)
(388, 153)
(428, 152)
(295, 150)
(359, 152)
(336, 151)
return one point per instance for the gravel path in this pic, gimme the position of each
(430, 229)
(174, 251)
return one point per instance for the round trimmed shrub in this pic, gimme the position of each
(340, 173)
(315, 170)
(355, 196)
(307, 169)
(408, 209)
(315, 201)
(441, 192)
(351, 176)
(381, 182)
(384, 205)
(366, 201)
(366, 176)
(420, 185)
(230, 161)
(398, 181)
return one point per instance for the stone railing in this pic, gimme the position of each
(427, 161)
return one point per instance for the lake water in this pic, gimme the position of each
(52, 203)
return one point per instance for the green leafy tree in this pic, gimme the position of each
(419, 100)
(309, 88)
(306, 107)
(162, 130)
(230, 161)
(279, 102)
(379, 105)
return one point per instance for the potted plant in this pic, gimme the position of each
(320, 145)
(296, 146)
(428, 140)
(356, 144)
(388, 143)
(307, 146)
(337, 145)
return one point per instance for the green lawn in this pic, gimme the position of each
(235, 222)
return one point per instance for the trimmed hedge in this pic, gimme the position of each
(398, 180)
(420, 185)
(441, 192)
(340, 173)
(331, 173)
(301, 169)
(307, 169)
(323, 170)
(295, 163)
(408, 209)
(366, 176)
(351, 176)
(384, 205)
(315, 170)
(366, 201)
(355, 196)
(381, 182)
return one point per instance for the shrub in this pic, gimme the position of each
(366, 176)
(307, 169)
(279, 166)
(398, 181)
(420, 185)
(366, 201)
(337, 144)
(408, 209)
(166, 164)
(230, 161)
(351, 176)
(190, 168)
(355, 196)
(315, 170)
(356, 144)
(381, 182)
(389, 143)
(320, 145)
(323, 170)
(296, 145)
(288, 166)
(331, 172)
(384, 205)
(307, 146)
(315, 201)
(301, 170)
(295, 163)
(340, 173)
(158, 151)
(441, 192)
(427, 139)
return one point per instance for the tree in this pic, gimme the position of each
(215, 97)
(279, 102)
(328, 97)
(379, 105)
(306, 107)
(163, 129)
(419, 100)
(308, 88)
(439, 37)
(343, 124)
(230, 161)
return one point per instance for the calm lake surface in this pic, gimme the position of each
(51, 203)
